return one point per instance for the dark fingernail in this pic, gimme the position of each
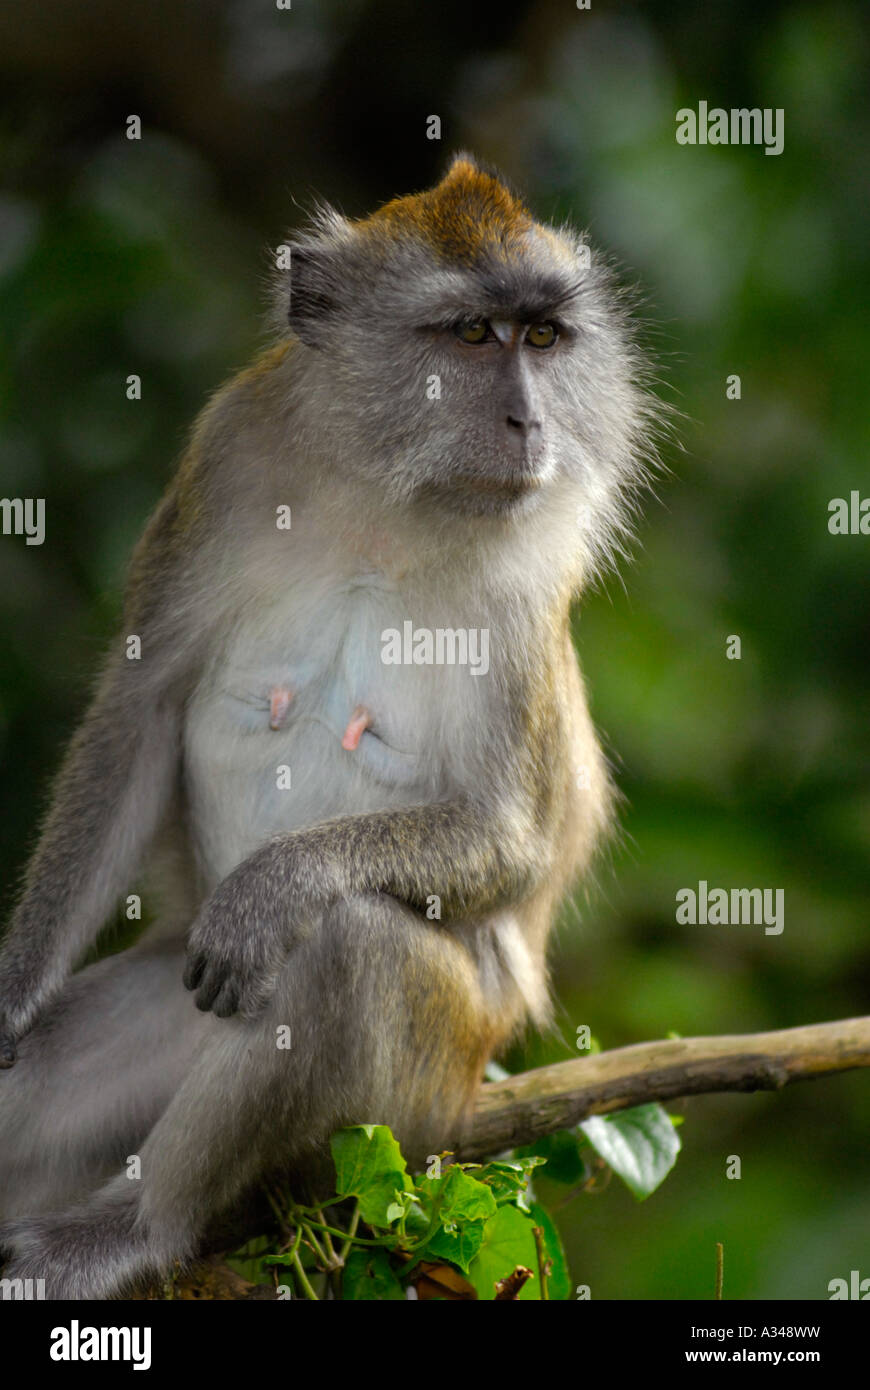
(207, 994)
(193, 973)
(227, 1003)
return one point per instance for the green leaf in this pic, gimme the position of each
(559, 1282)
(369, 1277)
(459, 1246)
(459, 1204)
(369, 1166)
(641, 1145)
(463, 1198)
(563, 1154)
(249, 1260)
(507, 1242)
(508, 1179)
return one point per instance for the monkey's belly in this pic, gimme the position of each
(247, 780)
(299, 720)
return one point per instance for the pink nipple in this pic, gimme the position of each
(360, 720)
(280, 697)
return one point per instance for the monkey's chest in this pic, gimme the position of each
(311, 715)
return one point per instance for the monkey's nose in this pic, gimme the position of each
(524, 435)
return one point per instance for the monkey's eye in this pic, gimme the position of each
(475, 331)
(542, 335)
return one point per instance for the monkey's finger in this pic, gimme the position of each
(227, 1002)
(210, 986)
(194, 971)
(8, 1052)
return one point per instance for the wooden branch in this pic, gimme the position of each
(525, 1107)
(534, 1103)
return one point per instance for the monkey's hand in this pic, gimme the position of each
(238, 943)
(263, 909)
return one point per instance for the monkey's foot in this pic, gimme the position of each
(94, 1251)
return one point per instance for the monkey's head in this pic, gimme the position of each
(471, 359)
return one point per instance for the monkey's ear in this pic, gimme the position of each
(314, 297)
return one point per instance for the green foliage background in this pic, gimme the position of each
(118, 257)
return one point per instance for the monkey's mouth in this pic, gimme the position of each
(495, 489)
(517, 485)
(477, 494)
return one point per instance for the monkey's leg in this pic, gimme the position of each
(387, 1025)
(94, 1075)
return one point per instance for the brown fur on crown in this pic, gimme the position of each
(469, 213)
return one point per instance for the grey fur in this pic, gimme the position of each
(307, 907)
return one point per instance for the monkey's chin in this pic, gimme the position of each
(501, 495)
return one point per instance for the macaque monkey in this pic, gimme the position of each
(353, 826)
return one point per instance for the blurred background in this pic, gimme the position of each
(150, 257)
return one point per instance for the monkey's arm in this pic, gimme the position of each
(109, 794)
(471, 858)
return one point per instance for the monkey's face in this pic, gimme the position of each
(488, 446)
(471, 359)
